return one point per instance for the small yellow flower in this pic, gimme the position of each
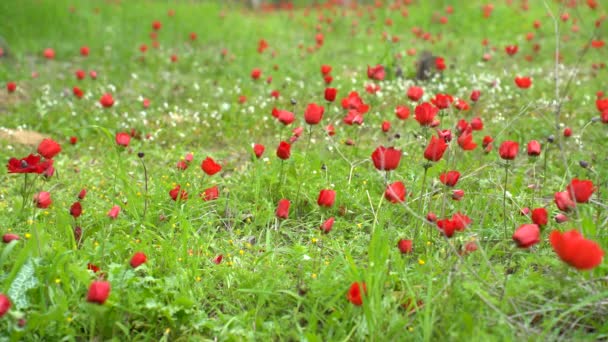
(364, 182)
(96, 244)
(359, 225)
(28, 235)
(314, 240)
(69, 319)
(241, 252)
(167, 331)
(421, 262)
(198, 279)
(45, 213)
(57, 281)
(248, 245)
(428, 243)
(30, 222)
(314, 276)
(326, 263)
(179, 259)
(410, 329)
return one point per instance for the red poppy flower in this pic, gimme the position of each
(76, 209)
(327, 225)
(5, 304)
(80, 74)
(425, 113)
(461, 104)
(156, 25)
(405, 246)
(580, 190)
(376, 73)
(440, 63)
(386, 159)
(523, 82)
(43, 199)
(29, 164)
(210, 166)
(475, 94)
(178, 193)
(258, 150)
(415, 93)
(78, 92)
(575, 250)
(447, 226)
(354, 294)
(511, 49)
(477, 124)
(84, 51)
(539, 217)
(49, 148)
(354, 102)
(99, 291)
(123, 139)
(395, 192)
(285, 117)
(449, 178)
(218, 259)
(82, 194)
(533, 148)
(284, 150)
(457, 195)
(434, 151)
(326, 198)
(386, 126)
(465, 141)
(563, 201)
(138, 259)
(106, 100)
(402, 112)
(442, 101)
(11, 87)
(282, 211)
(567, 132)
(325, 69)
(313, 114)
(328, 79)
(7, 238)
(527, 235)
(113, 213)
(211, 194)
(330, 94)
(256, 73)
(49, 53)
(508, 150)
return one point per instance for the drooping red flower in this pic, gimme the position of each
(580, 190)
(258, 150)
(99, 291)
(330, 94)
(49, 148)
(356, 292)
(177, 193)
(210, 194)
(395, 192)
(210, 167)
(76, 209)
(106, 100)
(449, 178)
(138, 259)
(43, 199)
(5, 304)
(313, 114)
(284, 150)
(575, 250)
(425, 113)
(434, 151)
(114, 211)
(282, 211)
(123, 139)
(7, 238)
(415, 93)
(533, 148)
(327, 225)
(523, 82)
(376, 73)
(326, 198)
(540, 216)
(29, 164)
(405, 246)
(563, 201)
(527, 235)
(386, 159)
(508, 150)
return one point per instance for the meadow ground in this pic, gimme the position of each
(338, 239)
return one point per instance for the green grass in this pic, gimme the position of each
(284, 280)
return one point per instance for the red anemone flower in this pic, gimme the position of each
(386, 159)
(575, 250)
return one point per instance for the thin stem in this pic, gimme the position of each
(297, 201)
(422, 198)
(145, 189)
(504, 199)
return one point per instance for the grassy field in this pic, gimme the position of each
(233, 268)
